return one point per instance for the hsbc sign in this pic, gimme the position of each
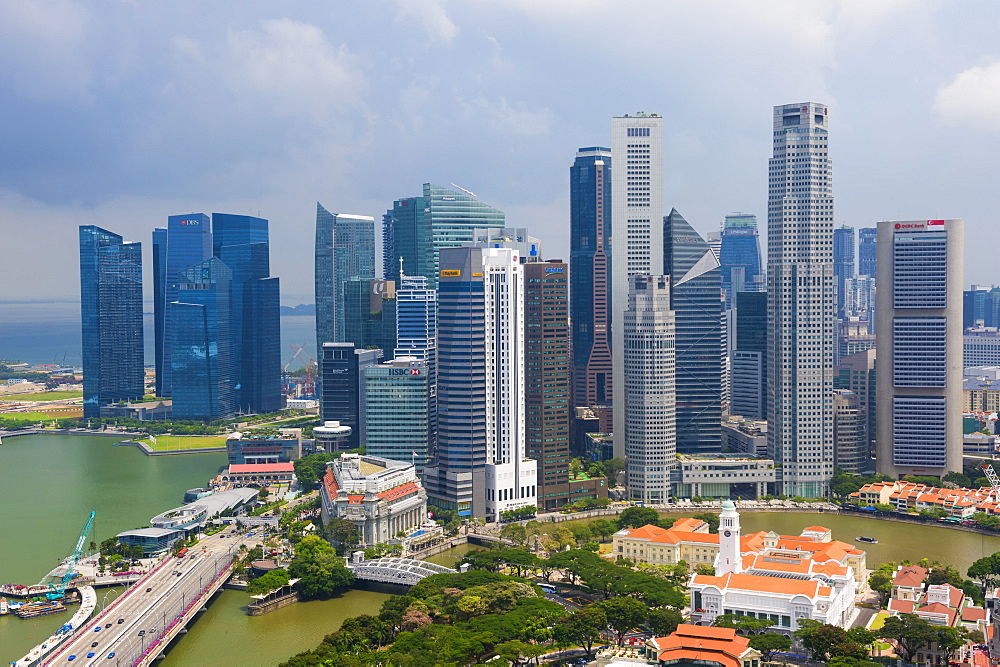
(404, 371)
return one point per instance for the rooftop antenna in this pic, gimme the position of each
(468, 192)
(400, 269)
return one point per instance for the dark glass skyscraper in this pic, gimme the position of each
(696, 299)
(342, 397)
(739, 256)
(590, 264)
(111, 312)
(422, 226)
(159, 300)
(748, 362)
(370, 314)
(843, 263)
(188, 242)
(866, 251)
(200, 340)
(241, 242)
(345, 250)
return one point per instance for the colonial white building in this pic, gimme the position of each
(380, 496)
(782, 579)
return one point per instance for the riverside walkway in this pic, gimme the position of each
(137, 627)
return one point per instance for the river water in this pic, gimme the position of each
(51, 482)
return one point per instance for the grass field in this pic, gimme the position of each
(175, 442)
(43, 396)
(18, 416)
(879, 620)
(52, 414)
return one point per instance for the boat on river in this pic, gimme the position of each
(4, 606)
(36, 609)
(866, 540)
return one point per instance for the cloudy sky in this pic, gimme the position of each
(122, 113)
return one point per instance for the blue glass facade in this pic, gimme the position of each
(345, 250)
(422, 226)
(696, 299)
(159, 299)
(241, 242)
(188, 242)
(590, 266)
(739, 256)
(111, 310)
(342, 394)
(201, 361)
(867, 252)
(843, 263)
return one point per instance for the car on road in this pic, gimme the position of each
(111, 655)
(149, 589)
(91, 654)
(142, 632)
(72, 657)
(120, 621)
(97, 629)
(107, 626)
(93, 645)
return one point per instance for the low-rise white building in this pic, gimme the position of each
(782, 579)
(382, 497)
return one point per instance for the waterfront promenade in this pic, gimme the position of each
(138, 626)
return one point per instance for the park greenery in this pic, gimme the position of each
(268, 582)
(320, 572)
(485, 615)
(880, 579)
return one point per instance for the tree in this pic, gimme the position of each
(985, 570)
(747, 624)
(613, 468)
(602, 528)
(319, 570)
(909, 634)
(636, 517)
(880, 581)
(585, 626)
(516, 533)
(268, 582)
(769, 643)
(343, 533)
(581, 533)
(711, 519)
(824, 641)
(624, 613)
(663, 622)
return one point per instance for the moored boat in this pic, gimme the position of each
(867, 540)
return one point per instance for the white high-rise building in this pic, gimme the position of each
(648, 424)
(800, 317)
(637, 212)
(511, 476)
(918, 360)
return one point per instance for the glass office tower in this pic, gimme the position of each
(590, 265)
(370, 314)
(241, 242)
(422, 226)
(111, 312)
(188, 243)
(345, 250)
(739, 256)
(199, 324)
(843, 264)
(696, 299)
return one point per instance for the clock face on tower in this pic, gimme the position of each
(726, 533)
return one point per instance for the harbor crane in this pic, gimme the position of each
(58, 588)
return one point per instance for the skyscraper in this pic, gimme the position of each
(342, 386)
(637, 229)
(370, 314)
(481, 468)
(800, 304)
(345, 250)
(186, 242)
(739, 256)
(111, 314)
(843, 263)
(748, 369)
(867, 251)
(200, 340)
(422, 226)
(241, 242)
(695, 299)
(590, 314)
(918, 359)
(648, 423)
(398, 422)
(416, 319)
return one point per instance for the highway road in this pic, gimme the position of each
(121, 634)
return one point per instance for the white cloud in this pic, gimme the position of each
(291, 66)
(432, 17)
(973, 97)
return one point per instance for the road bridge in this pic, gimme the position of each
(137, 627)
(405, 571)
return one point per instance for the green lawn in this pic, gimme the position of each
(879, 620)
(43, 396)
(19, 416)
(173, 442)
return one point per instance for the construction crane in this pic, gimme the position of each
(58, 588)
(308, 362)
(991, 475)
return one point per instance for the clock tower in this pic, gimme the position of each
(730, 559)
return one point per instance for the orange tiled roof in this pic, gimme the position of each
(901, 606)
(330, 484)
(973, 614)
(399, 492)
(910, 576)
(764, 584)
(817, 529)
(693, 642)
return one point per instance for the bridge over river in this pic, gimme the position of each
(404, 571)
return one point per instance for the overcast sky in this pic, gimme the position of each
(122, 113)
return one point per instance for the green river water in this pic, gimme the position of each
(51, 482)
